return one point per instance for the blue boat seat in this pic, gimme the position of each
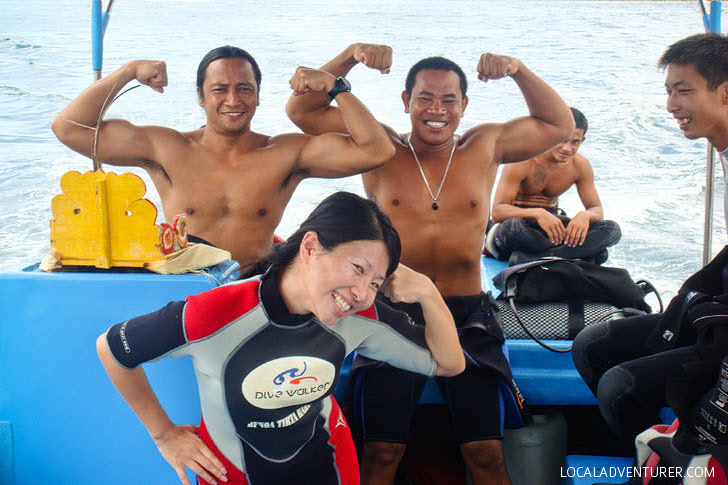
(544, 377)
(56, 402)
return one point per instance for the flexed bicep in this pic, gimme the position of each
(80, 127)
(366, 146)
(526, 137)
(334, 155)
(118, 142)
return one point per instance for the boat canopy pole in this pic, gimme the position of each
(711, 21)
(98, 29)
(708, 223)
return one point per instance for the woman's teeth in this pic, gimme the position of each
(343, 306)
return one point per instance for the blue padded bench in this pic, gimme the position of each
(52, 384)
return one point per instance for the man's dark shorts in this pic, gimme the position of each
(385, 397)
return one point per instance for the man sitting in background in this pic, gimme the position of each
(525, 207)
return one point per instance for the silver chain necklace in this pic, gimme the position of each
(422, 172)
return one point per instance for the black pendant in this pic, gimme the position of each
(435, 206)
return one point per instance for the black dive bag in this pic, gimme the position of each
(555, 298)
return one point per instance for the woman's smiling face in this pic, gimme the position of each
(344, 280)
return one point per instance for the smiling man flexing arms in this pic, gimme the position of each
(233, 183)
(436, 189)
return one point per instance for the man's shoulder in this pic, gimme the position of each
(482, 140)
(581, 160)
(582, 164)
(482, 130)
(170, 136)
(402, 150)
(283, 140)
(396, 137)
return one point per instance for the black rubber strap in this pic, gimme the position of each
(528, 332)
(576, 318)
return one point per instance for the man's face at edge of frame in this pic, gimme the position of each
(699, 111)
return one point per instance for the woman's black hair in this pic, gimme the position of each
(340, 218)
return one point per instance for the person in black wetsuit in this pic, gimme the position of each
(267, 351)
(635, 366)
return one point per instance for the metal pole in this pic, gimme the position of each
(715, 7)
(709, 183)
(712, 24)
(99, 22)
(107, 14)
(97, 38)
(706, 19)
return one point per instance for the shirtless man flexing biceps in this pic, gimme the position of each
(233, 183)
(436, 189)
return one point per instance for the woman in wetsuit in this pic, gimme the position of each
(267, 351)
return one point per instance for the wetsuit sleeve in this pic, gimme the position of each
(148, 337)
(397, 340)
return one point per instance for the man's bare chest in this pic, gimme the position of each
(547, 183)
(214, 191)
(403, 185)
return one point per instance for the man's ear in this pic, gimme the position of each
(465, 104)
(309, 246)
(200, 97)
(723, 89)
(406, 101)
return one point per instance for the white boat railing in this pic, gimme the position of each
(711, 21)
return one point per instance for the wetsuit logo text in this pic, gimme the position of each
(288, 381)
(284, 422)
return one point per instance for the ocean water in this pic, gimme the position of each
(599, 55)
